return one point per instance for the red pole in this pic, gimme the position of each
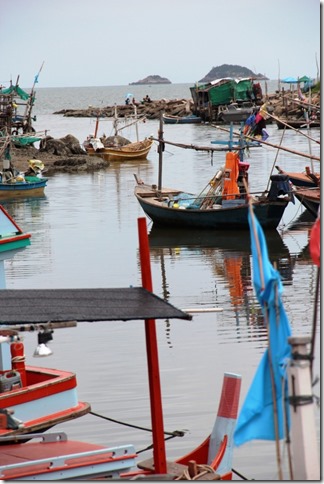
(18, 361)
(152, 358)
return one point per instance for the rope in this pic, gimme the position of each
(175, 433)
(18, 359)
(202, 470)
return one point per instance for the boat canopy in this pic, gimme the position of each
(16, 90)
(31, 306)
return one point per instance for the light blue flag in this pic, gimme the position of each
(256, 419)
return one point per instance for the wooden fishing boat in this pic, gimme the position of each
(132, 151)
(28, 187)
(15, 184)
(116, 149)
(57, 457)
(297, 123)
(39, 397)
(223, 205)
(306, 179)
(233, 113)
(310, 198)
(189, 119)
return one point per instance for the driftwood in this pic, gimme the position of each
(150, 110)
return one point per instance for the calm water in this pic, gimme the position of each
(84, 234)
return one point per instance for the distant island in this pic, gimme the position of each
(151, 80)
(234, 71)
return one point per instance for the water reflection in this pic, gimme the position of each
(227, 255)
(29, 213)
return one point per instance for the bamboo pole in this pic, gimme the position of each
(294, 129)
(276, 157)
(299, 153)
(276, 424)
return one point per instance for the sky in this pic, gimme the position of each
(116, 42)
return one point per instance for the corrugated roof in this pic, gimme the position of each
(19, 306)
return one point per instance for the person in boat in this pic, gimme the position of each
(259, 128)
(146, 99)
(127, 101)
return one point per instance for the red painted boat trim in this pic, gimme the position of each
(229, 400)
(11, 220)
(33, 451)
(14, 239)
(56, 382)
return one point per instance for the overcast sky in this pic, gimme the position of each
(115, 42)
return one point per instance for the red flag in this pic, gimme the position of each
(315, 242)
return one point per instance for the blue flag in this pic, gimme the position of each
(257, 417)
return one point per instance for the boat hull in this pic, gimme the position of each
(49, 398)
(23, 189)
(269, 214)
(297, 124)
(191, 119)
(132, 151)
(310, 198)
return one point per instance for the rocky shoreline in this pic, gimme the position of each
(71, 163)
(67, 155)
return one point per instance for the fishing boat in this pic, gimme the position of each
(233, 113)
(310, 198)
(15, 184)
(222, 205)
(132, 151)
(189, 119)
(116, 148)
(55, 457)
(297, 123)
(306, 179)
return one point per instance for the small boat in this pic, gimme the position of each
(14, 184)
(39, 398)
(310, 198)
(223, 204)
(132, 151)
(306, 179)
(55, 457)
(117, 148)
(297, 123)
(233, 113)
(189, 119)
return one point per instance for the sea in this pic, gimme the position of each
(84, 235)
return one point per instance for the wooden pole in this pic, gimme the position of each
(299, 153)
(273, 388)
(306, 464)
(159, 457)
(160, 150)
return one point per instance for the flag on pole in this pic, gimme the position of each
(260, 416)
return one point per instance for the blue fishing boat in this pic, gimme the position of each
(189, 119)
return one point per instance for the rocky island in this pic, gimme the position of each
(151, 80)
(229, 70)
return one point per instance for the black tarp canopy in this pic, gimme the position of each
(25, 306)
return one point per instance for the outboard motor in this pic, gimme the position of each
(280, 187)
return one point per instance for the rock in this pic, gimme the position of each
(68, 162)
(68, 145)
(228, 70)
(152, 80)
